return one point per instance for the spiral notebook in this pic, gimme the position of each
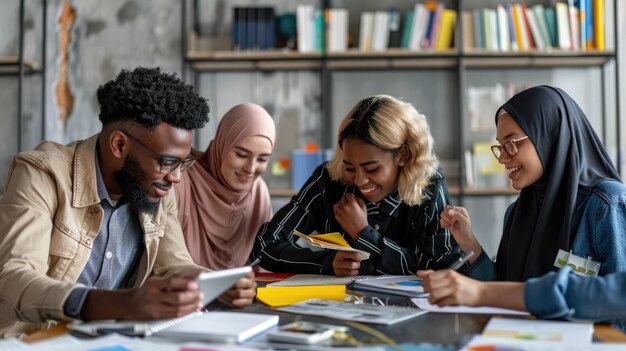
(198, 326)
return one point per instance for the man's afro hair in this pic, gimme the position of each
(149, 97)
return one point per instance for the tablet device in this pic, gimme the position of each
(213, 284)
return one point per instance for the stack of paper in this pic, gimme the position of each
(366, 313)
(425, 305)
(198, 326)
(403, 285)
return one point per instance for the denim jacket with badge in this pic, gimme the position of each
(599, 222)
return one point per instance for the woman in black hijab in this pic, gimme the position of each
(571, 197)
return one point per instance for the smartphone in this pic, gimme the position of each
(303, 332)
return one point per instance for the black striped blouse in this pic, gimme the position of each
(400, 238)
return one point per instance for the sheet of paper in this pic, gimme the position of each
(12, 344)
(367, 313)
(403, 285)
(481, 343)
(425, 305)
(116, 342)
(539, 330)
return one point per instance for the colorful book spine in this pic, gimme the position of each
(512, 32)
(446, 31)
(406, 31)
(582, 14)
(598, 24)
(589, 11)
(550, 14)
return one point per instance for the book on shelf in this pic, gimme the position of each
(406, 31)
(488, 172)
(562, 24)
(490, 29)
(514, 45)
(503, 28)
(366, 30)
(479, 37)
(380, 36)
(582, 20)
(590, 23)
(576, 25)
(542, 25)
(482, 104)
(337, 30)
(253, 28)
(331, 241)
(446, 29)
(598, 24)
(421, 20)
(197, 326)
(305, 28)
(550, 14)
(534, 29)
(469, 40)
(395, 34)
(435, 26)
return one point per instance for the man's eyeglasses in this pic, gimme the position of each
(509, 147)
(168, 164)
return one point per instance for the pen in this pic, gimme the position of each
(255, 262)
(461, 261)
(133, 330)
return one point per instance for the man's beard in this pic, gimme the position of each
(130, 178)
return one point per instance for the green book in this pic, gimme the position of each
(551, 22)
(406, 31)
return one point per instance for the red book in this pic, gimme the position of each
(531, 42)
(269, 277)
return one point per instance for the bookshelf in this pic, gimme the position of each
(340, 75)
(26, 129)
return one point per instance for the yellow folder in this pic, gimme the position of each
(333, 241)
(287, 295)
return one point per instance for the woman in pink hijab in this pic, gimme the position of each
(222, 201)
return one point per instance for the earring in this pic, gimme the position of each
(402, 164)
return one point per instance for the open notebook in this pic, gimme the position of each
(198, 326)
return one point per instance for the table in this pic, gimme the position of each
(434, 328)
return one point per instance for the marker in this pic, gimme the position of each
(461, 261)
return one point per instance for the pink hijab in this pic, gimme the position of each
(220, 224)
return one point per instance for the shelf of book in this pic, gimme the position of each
(536, 58)
(393, 59)
(456, 70)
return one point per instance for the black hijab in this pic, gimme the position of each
(572, 156)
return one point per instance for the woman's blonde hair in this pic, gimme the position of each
(394, 126)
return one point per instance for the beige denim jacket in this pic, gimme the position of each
(50, 215)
